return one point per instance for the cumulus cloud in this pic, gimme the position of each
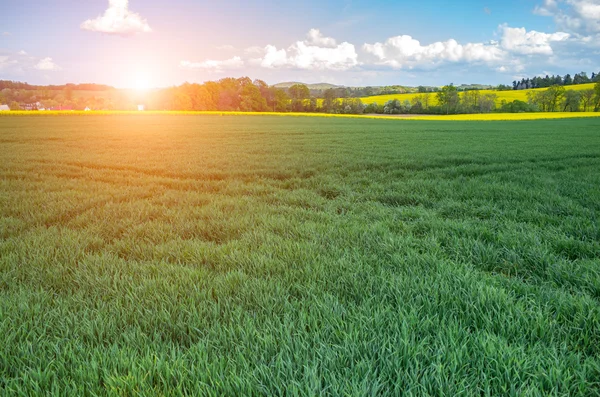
(22, 52)
(117, 19)
(47, 64)
(581, 16)
(520, 41)
(316, 38)
(406, 52)
(317, 52)
(213, 65)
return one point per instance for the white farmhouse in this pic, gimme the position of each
(4, 108)
(141, 108)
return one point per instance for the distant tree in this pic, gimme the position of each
(448, 98)
(14, 106)
(587, 97)
(299, 93)
(568, 80)
(539, 99)
(487, 102)
(329, 98)
(596, 100)
(282, 101)
(417, 104)
(555, 95)
(252, 100)
(392, 106)
(470, 101)
(572, 101)
(373, 108)
(581, 78)
(426, 100)
(518, 106)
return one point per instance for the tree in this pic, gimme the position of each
(540, 99)
(470, 101)
(448, 98)
(581, 78)
(14, 106)
(374, 108)
(555, 94)
(572, 101)
(596, 99)
(568, 80)
(517, 106)
(329, 98)
(487, 102)
(282, 101)
(417, 103)
(299, 93)
(587, 97)
(392, 107)
(252, 100)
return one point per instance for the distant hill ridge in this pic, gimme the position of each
(316, 86)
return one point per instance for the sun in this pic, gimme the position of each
(141, 82)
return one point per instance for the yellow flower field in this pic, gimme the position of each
(507, 96)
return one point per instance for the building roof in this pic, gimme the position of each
(4, 107)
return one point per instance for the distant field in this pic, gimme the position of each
(170, 255)
(460, 117)
(508, 96)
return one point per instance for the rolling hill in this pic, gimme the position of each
(508, 96)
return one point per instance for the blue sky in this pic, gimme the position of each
(161, 43)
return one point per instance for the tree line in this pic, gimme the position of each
(246, 95)
(548, 81)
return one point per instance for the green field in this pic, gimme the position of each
(507, 96)
(199, 255)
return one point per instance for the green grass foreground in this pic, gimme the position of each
(298, 256)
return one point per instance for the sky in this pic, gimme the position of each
(159, 43)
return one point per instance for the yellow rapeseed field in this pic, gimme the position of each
(507, 96)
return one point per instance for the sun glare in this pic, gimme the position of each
(142, 83)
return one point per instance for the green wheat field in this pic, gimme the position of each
(205, 255)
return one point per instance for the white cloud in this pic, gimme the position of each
(506, 55)
(547, 9)
(274, 58)
(581, 16)
(406, 52)
(22, 52)
(117, 19)
(214, 66)
(315, 53)
(520, 41)
(316, 38)
(47, 64)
